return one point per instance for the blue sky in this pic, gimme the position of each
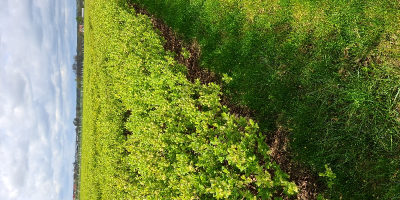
(37, 99)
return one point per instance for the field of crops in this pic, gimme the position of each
(327, 72)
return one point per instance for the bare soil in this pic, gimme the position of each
(278, 141)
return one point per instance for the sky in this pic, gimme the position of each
(37, 99)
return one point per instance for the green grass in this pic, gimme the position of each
(326, 70)
(149, 133)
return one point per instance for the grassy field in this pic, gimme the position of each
(326, 71)
(149, 133)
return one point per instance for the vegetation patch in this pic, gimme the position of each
(150, 133)
(320, 78)
(324, 71)
(304, 179)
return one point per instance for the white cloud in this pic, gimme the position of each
(37, 95)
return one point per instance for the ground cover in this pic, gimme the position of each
(150, 133)
(325, 71)
(307, 182)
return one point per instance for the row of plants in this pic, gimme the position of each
(149, 133)
(327, 71)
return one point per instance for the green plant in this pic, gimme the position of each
(185, 53)
(320, 197)
(329, 175)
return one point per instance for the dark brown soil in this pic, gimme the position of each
(173, 44)
(277, 141)
(306, 181)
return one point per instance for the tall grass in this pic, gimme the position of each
(327, 70)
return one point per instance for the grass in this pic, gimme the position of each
(326, 70)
